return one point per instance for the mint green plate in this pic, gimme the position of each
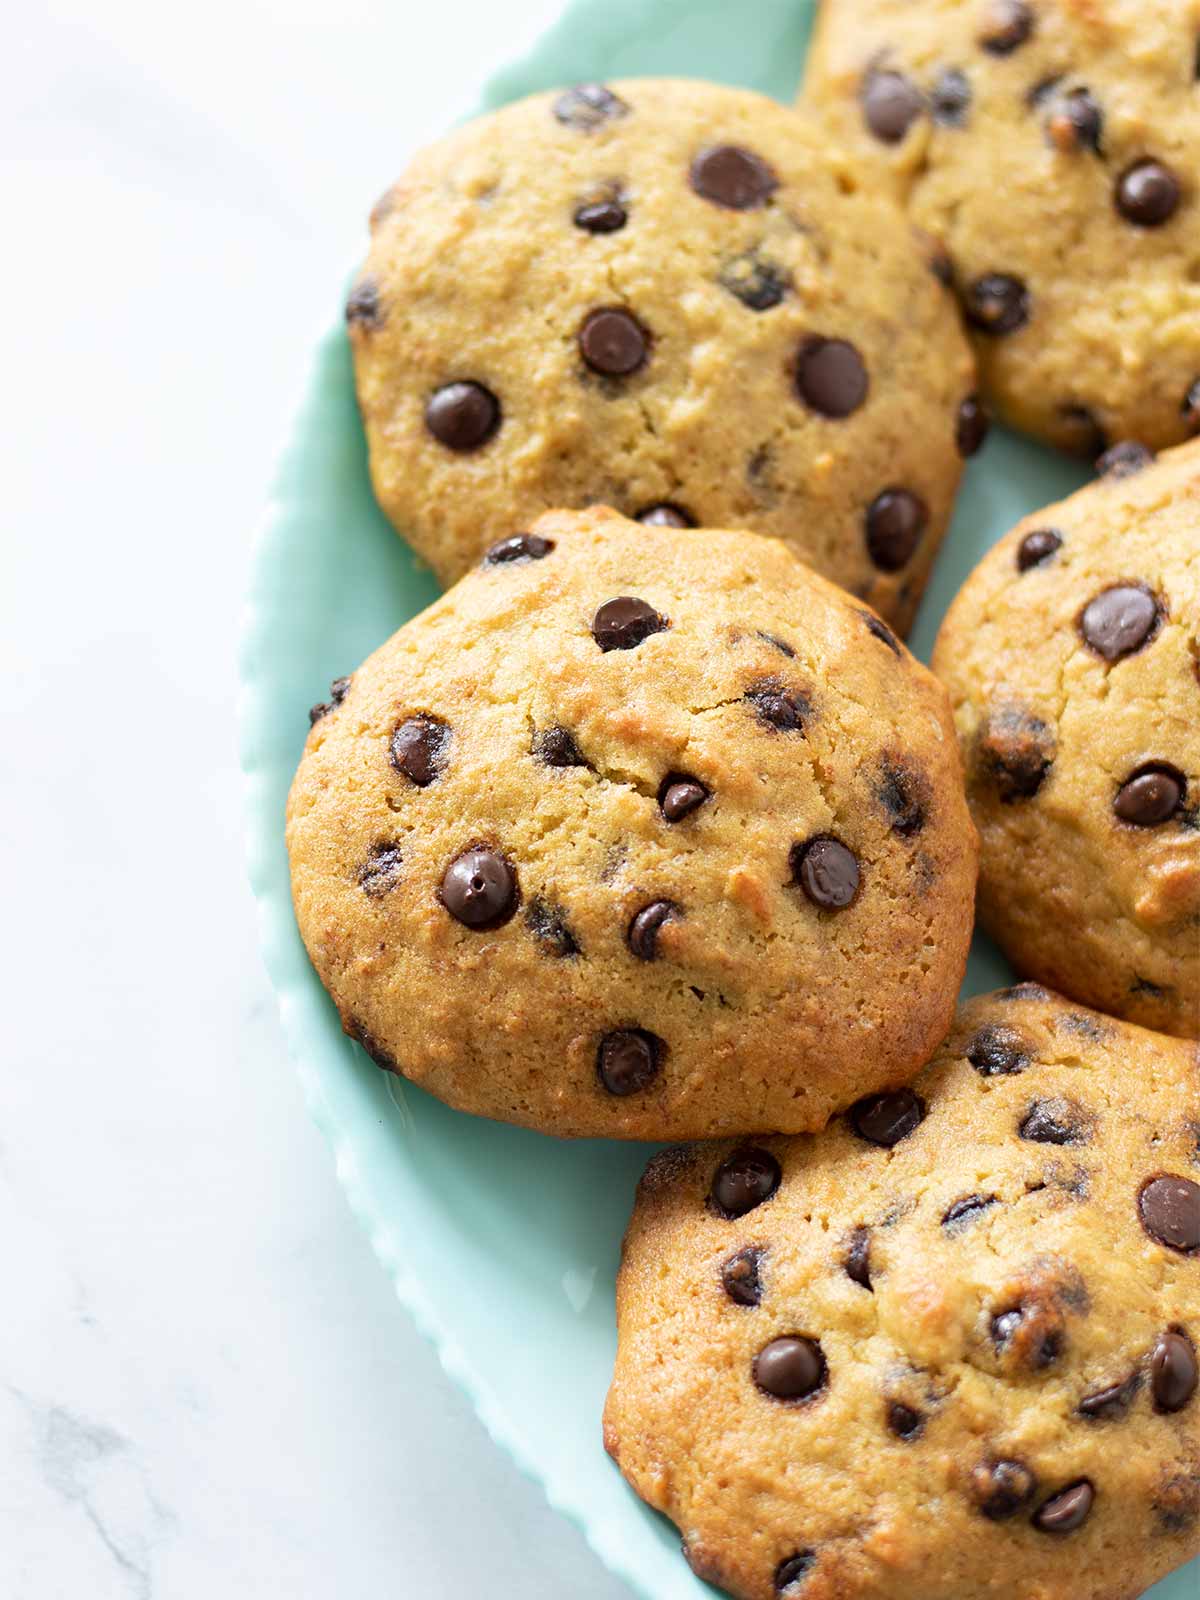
(503, 1244)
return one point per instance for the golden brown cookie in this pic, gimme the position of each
(627, 836)
(1052, 148)
(669, 297)
(1072, 656)
(945, 1350)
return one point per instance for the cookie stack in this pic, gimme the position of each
(651, 830)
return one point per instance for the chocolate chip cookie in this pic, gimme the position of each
(671, 298)
(631, 836)
(1072, 656)
(1051, 148)
(945, 1350)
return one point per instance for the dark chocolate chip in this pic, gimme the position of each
(1016, 751)
(790, 1368)
(998, 1052)
(462, 416)
(1112, 1402)
(1007, 25)
(963, 1212)
(1124, 460)
(1057, 1121)
(588, 106)
(882, 632)
(741, 1276)
(479, 889)
(1190, 408)
(666, 514)
(1086, 437)
(338, 690)
(895, 521)
(642, 935)
(679, 795)
(1173, 1371)
(779, 707)
(950, 98)
(550, 928)
(521, 547)
(903, 1421)
(997, 304)
(831, 377)
(1037, 547)
(1002, 1488)
(363, 309)
(904, 793)
(1169, 1207)
(733, 177)
(613, 342)
(1144, 986)
(629, 1059)
(379, 1054)
(759, 284)
(420, 747)
(790, 1574)
(1148, 194)
(971, 428)
(1151, 795)
(1038, 1345)
(381, 870)
(1177, 1503)
(858, 1258)
(556, 747)
(1076, 121)
(891, 104)
(747, 1179)
(776, 643)
(885, 1119)
(1120, 620)
(623, 623)
(1067, 1510)
(827, 871)
(600, 216)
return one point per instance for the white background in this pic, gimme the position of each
(207, 1390)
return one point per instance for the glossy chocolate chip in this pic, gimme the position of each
(881, 632)
(778, 706)
(1151, 795)
(741, 1277)
(950, 98)
(420, 748)
(601, 216)
(895, 521)
(628, 1060)
(462, 416)
(997, 304)
(891, 104)
(971, 427)
(827, 871)
(642, 935)
(666, 514)
(556, 747)
(1056, 1121)
(1037, 547)
(996, 1051)
(1173, 1371)
(520, 547)
(1037, 1343)
(748, 1178)
(1076, 121)
(790, 1574)
(1120, 621)
(588, 106)
(885, 1119)
(904, 1421)
(1016, 752)
(1002, 1488)
(903, 792)
(479, 889)
(1007, 24)
(1111, 1402)
(549, 926)
(831, 377)
(758, 283)
(733, 177)
(679, 795)
(791, 1368)
(1124, 460)
(363, 309)
(1169, 1207)
(963, 1212)
(1067, 1510)
(623, 623)
(613, 342)
(380, 872)
(338, 690)
(1190, 409)
(858, 1258)
(1148, 194)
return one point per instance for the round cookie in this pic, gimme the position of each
(1052, 148)
(669, 297)
(945, 1350)
(624, 837)
(1072, 656)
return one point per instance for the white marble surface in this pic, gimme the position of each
(206, 1387)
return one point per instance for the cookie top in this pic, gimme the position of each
(628, 837)
(671, 298)
(1052, 147)
(1072, 656)
(945, 1350)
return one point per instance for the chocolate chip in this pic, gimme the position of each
(1087, 438)
(363, 308)
(997, 1051)
(732, 177)
(600, 216)
(462, 416)
(613, 342)
(1112, 1402)
(1169, 1207)
(666, 514)
(479, 889)
(1191, 408)
(778, 706)
(891, 104)
(1067, 1510)
(791, 1368)
(1007, 25)
(1032, 1332)
(789, 1574)
(420, 748)
(858, 1258)
(903, 1421)
(623, 623)
(1173, 1371)
(338, 690)
(1144, 986)
(971, 428)
(629, 1059)
(748, 1178)
(1002, 1488)
(679, 795)
(757, 283)
(381, 870)
(776, 643)
(885, 1119)
(550, 928)
(895, 521)
(642, 935)
(941, 265)
(1015, 753)
(588, 106)
(997, 304)
(1177, 1503)
(1124, 460)
(904, 793)
(1076, 121)
(556, 747)
(1056, 1121)
(521, 547)
(1148, 194)
(1120, 621)
(379, 1054)
(950, 98)
(741, 1277)
(1151, 795)
(1037, 547)
(963, 1212)
(831, 377)
(827, 871)
(882, 632)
